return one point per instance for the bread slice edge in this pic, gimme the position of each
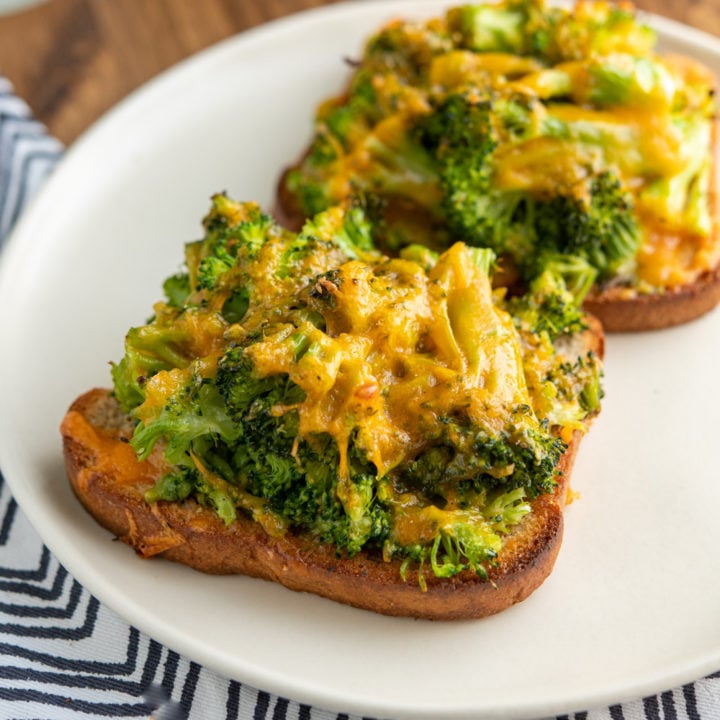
(110, 483)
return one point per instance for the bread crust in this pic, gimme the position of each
(620, 311)
(655, 311)
(110, 482)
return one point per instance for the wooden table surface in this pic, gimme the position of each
(73, 59)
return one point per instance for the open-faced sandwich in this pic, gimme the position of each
(391, 433)
(552, 136)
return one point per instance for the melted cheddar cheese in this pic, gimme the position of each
(353, 396)
(601, 99)
(401, 351)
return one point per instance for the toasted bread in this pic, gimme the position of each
(676, 272)
(465, 413)
(109, 481)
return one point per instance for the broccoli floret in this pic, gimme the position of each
(492, 27)
(595, 29)
(525, 457)
(340, 125)
(185, 482)
(398, 166)
(601, 229)
(548, 308)
(579, 383)
(396, 185)
(127, 384)
(177, 289)
(576, 273)
(587, 372)
(347, 121)
(681, 199)
(298, 481)
(457, 127)
(349, 229)
(545, 317)
(406, 50)
(459, 135)
(161, 345)
(309, 188)
(472, 459)
(232, 229)
(245, 392)
(337, 234)
(463, 546)
(197, 411)
(629, 81)
(173, 487)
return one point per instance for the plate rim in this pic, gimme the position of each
(9, 257)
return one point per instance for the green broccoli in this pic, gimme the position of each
(531, 27)
(594, 29)
(568, 389)
(160, 345)
(680, 199)
(528, 226)
(459, 135)
(297, 481)
(501, 27)
(338, 127)
(549, 307)
(466, 460)
(405, 50)
(599, 229)
(347, 121)
(231, 230)
(350, 230)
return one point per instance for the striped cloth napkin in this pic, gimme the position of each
(65, 656)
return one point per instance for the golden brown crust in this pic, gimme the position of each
(655, 311)
(110, 483)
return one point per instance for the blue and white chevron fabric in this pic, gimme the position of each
(27, 155)
(64, 656)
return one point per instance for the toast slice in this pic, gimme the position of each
(110, 482)
(386, 432)
(561, 112)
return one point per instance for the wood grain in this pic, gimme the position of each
(71, 60)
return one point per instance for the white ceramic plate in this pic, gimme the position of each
(634, 603)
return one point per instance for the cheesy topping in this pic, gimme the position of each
(318, 386)
(401, 350)
(598, 96)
